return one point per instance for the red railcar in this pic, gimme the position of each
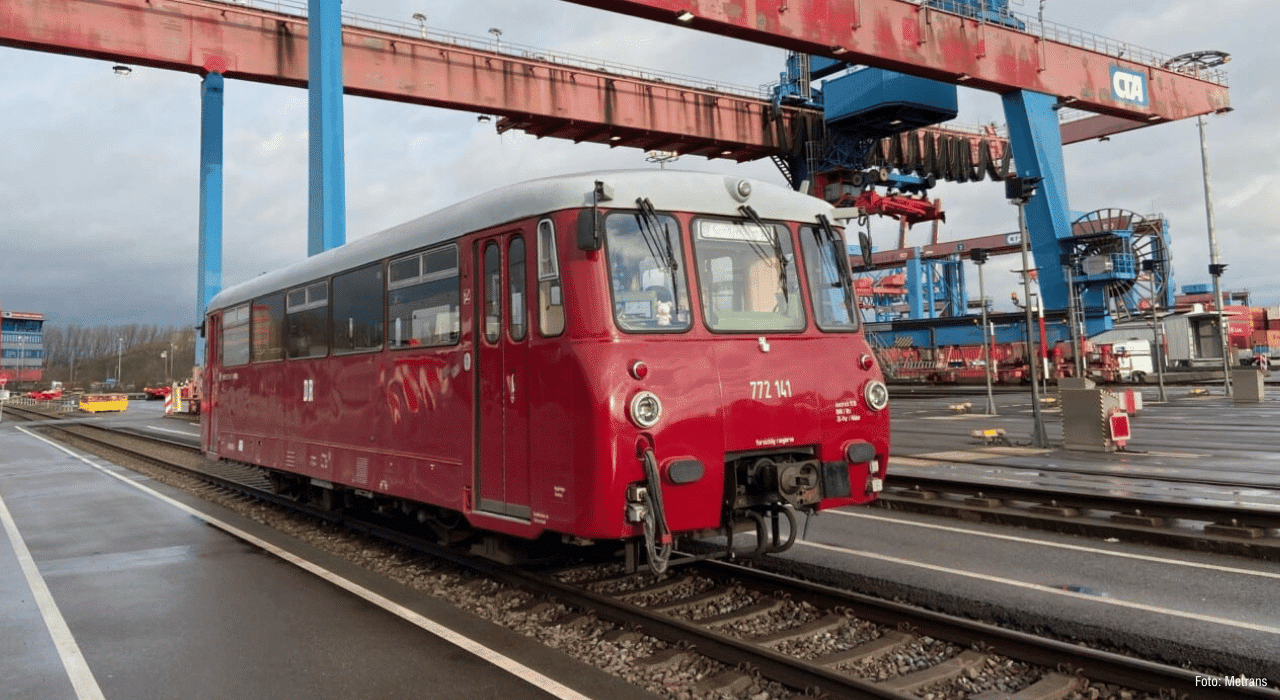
(631, 356)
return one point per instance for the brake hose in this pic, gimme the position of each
(657, 536)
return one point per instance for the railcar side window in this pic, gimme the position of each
(306, 321)
(747, 276)
(235, 336)
(830, 283)
(357, 310)
(646, 266)
(492, 292)
(519, 325)
(267, 336)
(550, 293)
(422, 299)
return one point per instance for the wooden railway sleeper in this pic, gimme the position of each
(945, 671)
(886, 643)
(826, 623)
(658, 587)
(749, 612)
(1054, 686)
(711, 596)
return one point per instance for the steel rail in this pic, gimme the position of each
(1093, 663)
(1183, 510)
(1073, 470)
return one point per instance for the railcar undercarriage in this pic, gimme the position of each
(449, 526)
(762, 489)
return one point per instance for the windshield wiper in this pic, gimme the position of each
(844, 275)
(775, 240)
(647, 218)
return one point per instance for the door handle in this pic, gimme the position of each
(511, 387)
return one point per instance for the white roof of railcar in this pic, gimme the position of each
(670, 190)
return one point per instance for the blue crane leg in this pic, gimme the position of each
(209, 278)
(326, 222)
(915, 286)
(1036, 140)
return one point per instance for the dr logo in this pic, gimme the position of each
(1129, 86)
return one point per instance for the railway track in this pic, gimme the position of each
(747, 627)
(1195, 522)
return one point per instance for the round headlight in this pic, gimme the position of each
(645, 409)
(876, 394)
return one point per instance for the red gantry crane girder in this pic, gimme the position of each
(538, 92)
(392, 61)
(915, 38)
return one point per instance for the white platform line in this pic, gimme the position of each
(82, 680)
(188, 433)
(1047, 589)
(1061, 545)
(506, 663)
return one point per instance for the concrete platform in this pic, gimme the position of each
(114, 586)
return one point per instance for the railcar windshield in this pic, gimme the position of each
(830, 281)
(747, 276)
(647, 269)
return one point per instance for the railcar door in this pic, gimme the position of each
(502, 397)
(212, 362)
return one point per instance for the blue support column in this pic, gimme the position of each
(957, 297)
(1036, 139)
(931, 288)
(326, 223)
(1166, 236)
(915, 285)
(209, 276)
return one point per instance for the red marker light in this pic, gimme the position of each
(639, 370)
(866, 361)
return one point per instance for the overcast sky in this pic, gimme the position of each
(98, 178)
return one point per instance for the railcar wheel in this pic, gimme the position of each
(449, 526)
(762, 536)
(289, 487)
(330, 500)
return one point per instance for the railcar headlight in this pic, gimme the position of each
(645, 409)
(876, 394)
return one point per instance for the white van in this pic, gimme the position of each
(1134, 358)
